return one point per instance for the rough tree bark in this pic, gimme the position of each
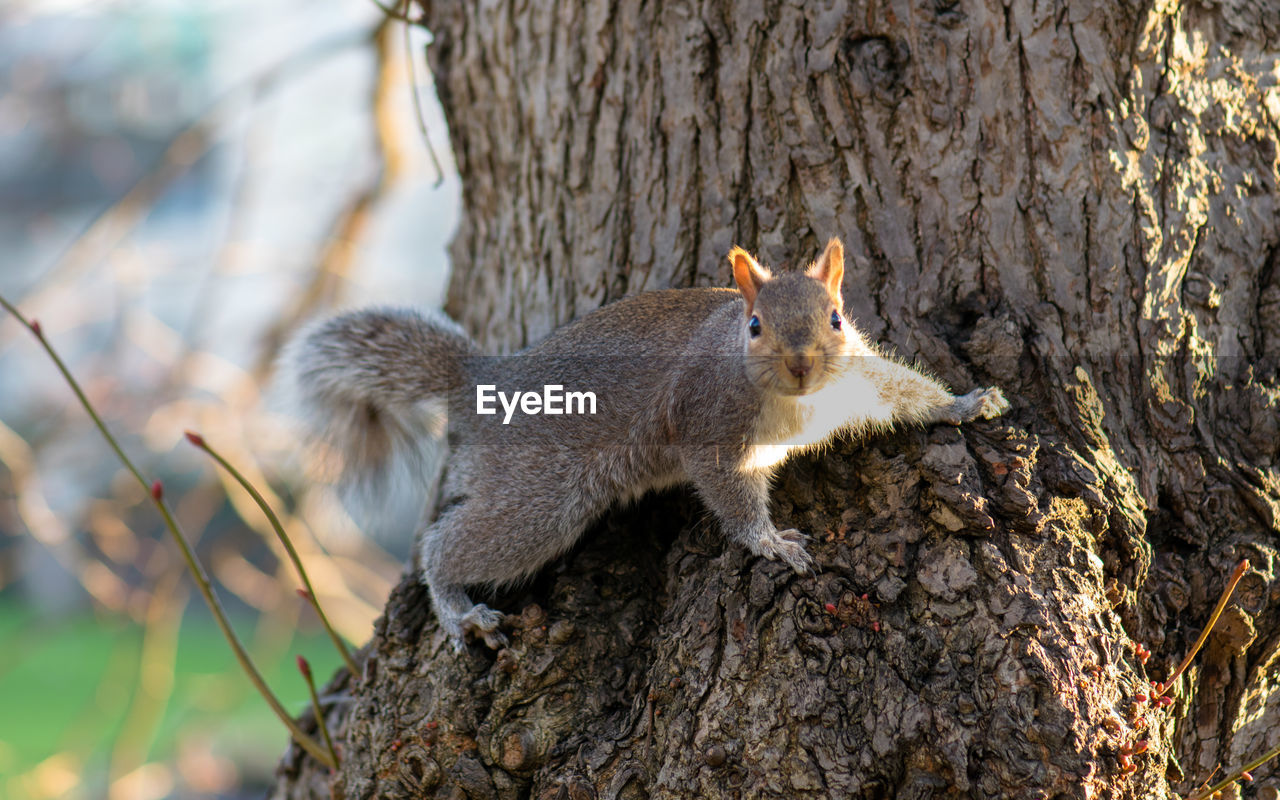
(1075, 200)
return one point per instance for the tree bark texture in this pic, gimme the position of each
(1074, 200)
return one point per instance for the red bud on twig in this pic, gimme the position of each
(304, 668)
(35, 328)
(157, 491)
(195, 438)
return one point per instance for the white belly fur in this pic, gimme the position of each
(794, 424)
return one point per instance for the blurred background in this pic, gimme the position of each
(182, 183)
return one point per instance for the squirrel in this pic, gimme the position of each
(713, 387)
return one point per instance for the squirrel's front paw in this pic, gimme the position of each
(980, 403)
(991, 403)
(788, 546)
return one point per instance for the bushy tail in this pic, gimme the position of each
(374, 384)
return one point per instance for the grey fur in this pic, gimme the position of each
(692, 397)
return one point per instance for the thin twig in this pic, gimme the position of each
(1204, 634)
(1238, 774)
(417, 106)
(310, 593)
(396, 13)
(1205, 782)
(305, 669)
(155, 492)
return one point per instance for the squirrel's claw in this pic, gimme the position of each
(991, 403)
(985, 403)
(787, 546)
(483, 622)
(495, 641)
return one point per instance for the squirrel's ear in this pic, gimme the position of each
(829, 268)
(749, 275)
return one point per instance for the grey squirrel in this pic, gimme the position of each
(712, 387)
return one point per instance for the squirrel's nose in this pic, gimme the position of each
(799, 366)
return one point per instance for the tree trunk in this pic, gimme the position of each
(1075, 201)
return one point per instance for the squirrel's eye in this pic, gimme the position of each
(835, 320)
(753, 326)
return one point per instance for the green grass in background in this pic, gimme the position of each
(70, 686)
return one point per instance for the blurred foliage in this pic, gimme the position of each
(183, 184)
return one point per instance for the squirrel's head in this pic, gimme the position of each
(794, 323)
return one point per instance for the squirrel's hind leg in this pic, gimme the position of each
(500, 522)
(439, 569)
